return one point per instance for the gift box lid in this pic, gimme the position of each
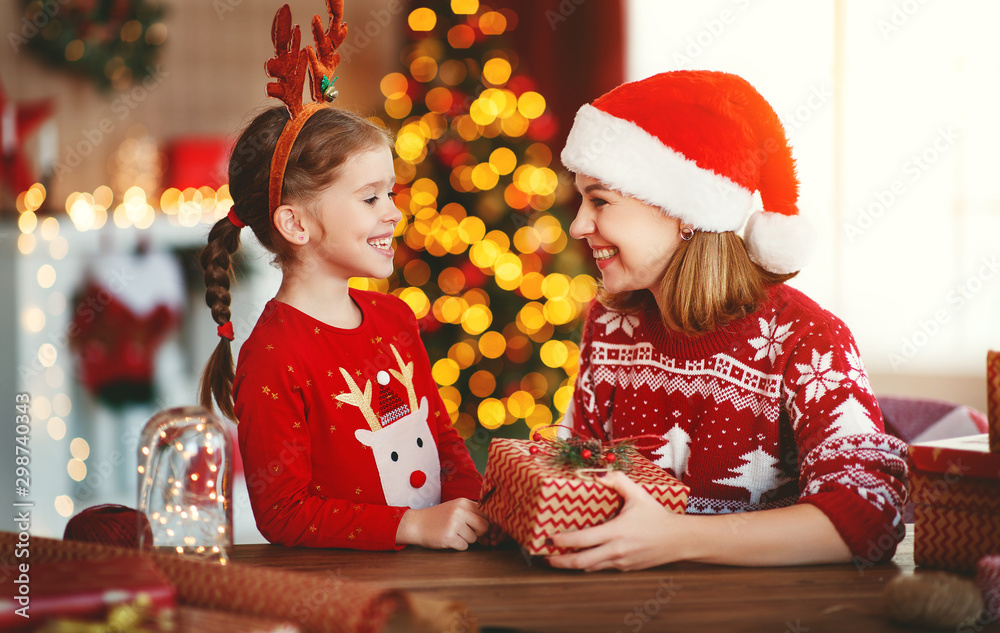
(968, 455)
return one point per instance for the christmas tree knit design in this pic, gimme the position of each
(760, 474)
(675, 452)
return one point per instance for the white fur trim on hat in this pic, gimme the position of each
(629, 159)
(780, 243)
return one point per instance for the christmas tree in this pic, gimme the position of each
(482, 251)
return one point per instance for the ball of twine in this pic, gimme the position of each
(109, 524)
(933, 599)
(988, 579)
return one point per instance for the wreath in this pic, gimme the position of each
(114, 42)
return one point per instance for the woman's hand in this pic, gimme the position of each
(450, 525)
(644, 534)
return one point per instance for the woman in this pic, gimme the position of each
(759, 395)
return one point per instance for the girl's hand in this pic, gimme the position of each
(494, 536)
(451, 525)
(644, 534)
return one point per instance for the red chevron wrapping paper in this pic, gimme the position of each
(345, 605)
(945, 538)
(531, 497)
(993, 398)
(956, 494)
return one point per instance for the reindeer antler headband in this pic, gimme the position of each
(288, 67)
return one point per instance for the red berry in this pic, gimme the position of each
(533, 450)
(585, 453)
(610, 457)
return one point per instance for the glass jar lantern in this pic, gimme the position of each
(185, 483)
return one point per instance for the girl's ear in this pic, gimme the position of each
(289, 222)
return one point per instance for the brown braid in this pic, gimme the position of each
(327, 140)
(216, 260)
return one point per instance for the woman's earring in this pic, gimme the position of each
(687, 233)
(302, 238)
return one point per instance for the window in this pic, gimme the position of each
(891, 109)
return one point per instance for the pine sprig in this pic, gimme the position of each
(579, 452)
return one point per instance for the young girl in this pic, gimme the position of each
(759, 395)
(344, 438)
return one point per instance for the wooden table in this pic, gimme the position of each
(507, 591)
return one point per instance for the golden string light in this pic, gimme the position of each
(525, 183)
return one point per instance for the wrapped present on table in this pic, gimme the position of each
(993, 398)
(956, 495)
(534, 489)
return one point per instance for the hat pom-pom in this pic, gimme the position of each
(779, 243)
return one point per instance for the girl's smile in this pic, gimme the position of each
(383, 245)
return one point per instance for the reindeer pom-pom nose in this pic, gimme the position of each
(418, 478)
(382, 377)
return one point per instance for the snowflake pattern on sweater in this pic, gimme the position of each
(771, 410)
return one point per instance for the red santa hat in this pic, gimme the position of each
(698, 144)
(390, 406)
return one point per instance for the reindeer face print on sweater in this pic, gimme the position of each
(405, 451)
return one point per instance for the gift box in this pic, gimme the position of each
(993, 398)
(90, 590)
(956, 494)
(197, 162)
(532, 496)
